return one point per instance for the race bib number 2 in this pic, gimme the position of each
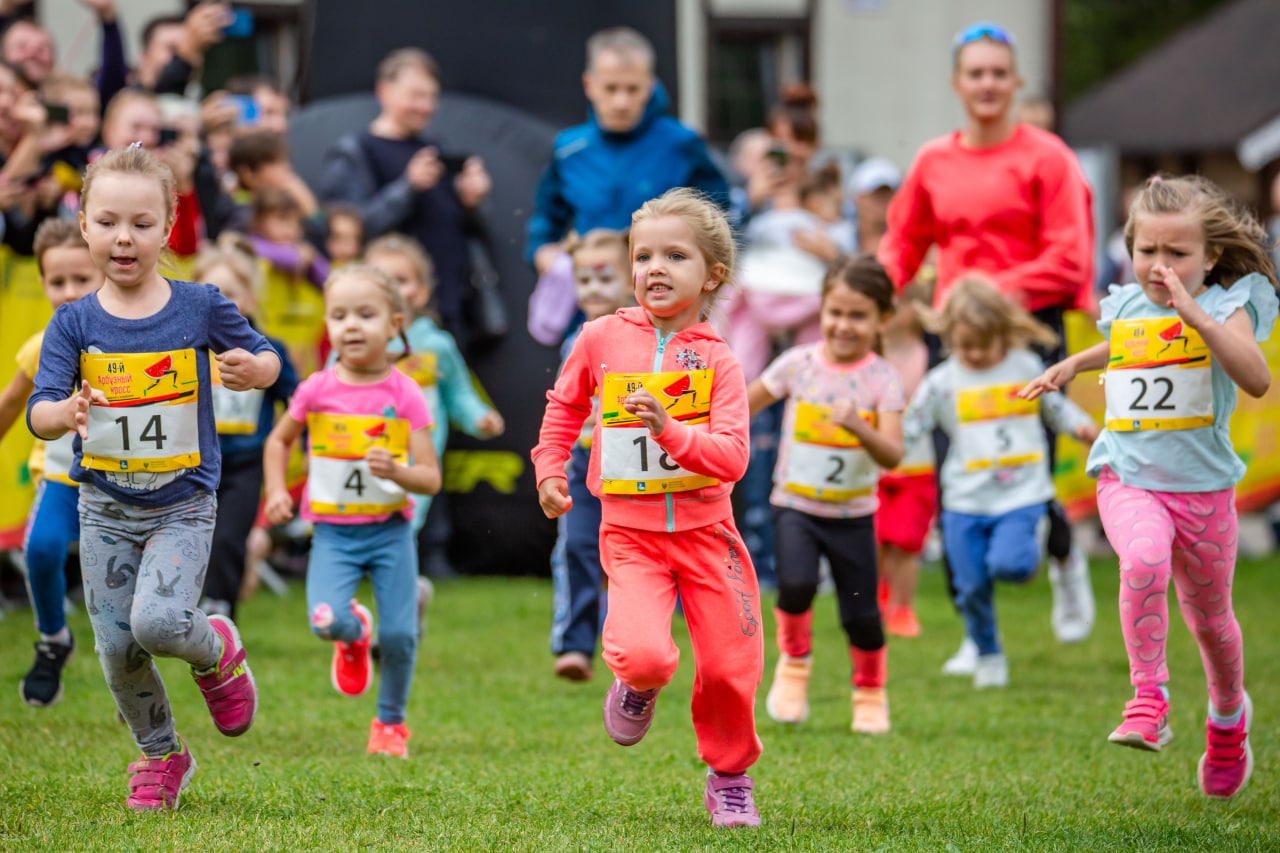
(827, 462)
(1158, 377)
(631, 462)
(150, 421)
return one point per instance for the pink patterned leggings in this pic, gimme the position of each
(1191, 538)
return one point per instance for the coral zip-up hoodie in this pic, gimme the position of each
(626, 342)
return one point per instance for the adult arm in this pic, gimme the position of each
(113, 68)
(552, 214)
(346, 178)
(911, 229)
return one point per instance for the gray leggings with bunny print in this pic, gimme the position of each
(143, 571)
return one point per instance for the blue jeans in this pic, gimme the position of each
(576, 575)
(54, 524)
(340, 555)
(984, 549)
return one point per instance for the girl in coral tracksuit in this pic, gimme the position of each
(670, 441)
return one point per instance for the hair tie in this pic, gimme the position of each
(133, 146)
(1156, 179)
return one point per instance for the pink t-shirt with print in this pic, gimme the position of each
(803, 373)
(396, 396)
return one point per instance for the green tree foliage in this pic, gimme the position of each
(1103, 36)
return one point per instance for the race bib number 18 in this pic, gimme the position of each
(1158, 377)
(631, 462)
(149, 422)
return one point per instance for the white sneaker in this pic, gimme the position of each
(964, 661)
(1073, 609)
(991, 671)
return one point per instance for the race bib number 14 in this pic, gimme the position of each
(149, 422)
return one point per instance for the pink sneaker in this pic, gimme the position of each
(1146, 721)
(158, 782)
(352, 668)
(228, 688)
(730, 800)
(628, 713)
(1227, 762)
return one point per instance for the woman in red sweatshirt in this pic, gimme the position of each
(670, 441)
(1010, 201)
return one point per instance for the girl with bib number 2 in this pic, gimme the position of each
(369, 443)
(995, 482)
(148, 462)
(843, 418)
(669, 442)
(1179, 342)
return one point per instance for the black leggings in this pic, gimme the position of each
(849, 544)
(238, 494)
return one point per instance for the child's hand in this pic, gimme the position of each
(553, 497)
(845, 413)
(381, 463)
(646, 407)
(239, 369)
(1087, 433)
(1051, 380)
(278, 506)
(491, 424)
(1179, 299)
(80, 411)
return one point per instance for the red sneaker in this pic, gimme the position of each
(352, 669)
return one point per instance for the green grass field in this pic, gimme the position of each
(505, 757)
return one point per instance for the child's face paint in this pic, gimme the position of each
(600, 278)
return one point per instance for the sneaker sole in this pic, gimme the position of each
(248, 673)
(333, 671)
(1248, 759)
(1137, 741)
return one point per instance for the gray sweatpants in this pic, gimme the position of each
(143, 571)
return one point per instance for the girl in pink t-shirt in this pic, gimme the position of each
(843, 418)
(369, 444)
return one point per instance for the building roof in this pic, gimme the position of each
(1203, 90)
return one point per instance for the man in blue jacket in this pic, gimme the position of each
(627, 152)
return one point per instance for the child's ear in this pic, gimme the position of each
(717, 275)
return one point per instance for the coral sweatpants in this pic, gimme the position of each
(1191, 538)
(712, 572)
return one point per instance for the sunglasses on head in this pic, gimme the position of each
(982, 30)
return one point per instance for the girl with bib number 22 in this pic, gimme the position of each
(843, 418)
(1180, 341)
(995, 483)
(148, 462)
(369, 442)
(669, 442)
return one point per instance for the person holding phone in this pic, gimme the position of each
(394, 175)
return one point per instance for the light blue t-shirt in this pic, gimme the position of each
(1200, 459)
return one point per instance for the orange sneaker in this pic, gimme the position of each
(788, 699)
(352, 669)
(902, 622)
(870, 710)
(389, 739)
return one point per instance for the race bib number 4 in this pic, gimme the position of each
(997, 428)
(827, 462)
(631, 462)
(236, 412)
(149, 422)
(340, 482)
(1158, 377)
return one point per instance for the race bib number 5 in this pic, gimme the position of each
(340, 482)
(997, 428)
(1158, 377)
(631, 462)
(826, 461)
(149, 422)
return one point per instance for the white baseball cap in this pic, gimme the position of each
(873, 173)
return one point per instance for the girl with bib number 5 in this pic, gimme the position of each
(843, 418)
(369, 443)
(995, 483)
(669, 442)
(147, 460)
(1180, 341)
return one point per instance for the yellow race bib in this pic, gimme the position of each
(236, 412)
(997, 428)
(340, 482)
(1158, 377)
(827, 462)
(421, 367)
(631, 462)
(150, 421)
